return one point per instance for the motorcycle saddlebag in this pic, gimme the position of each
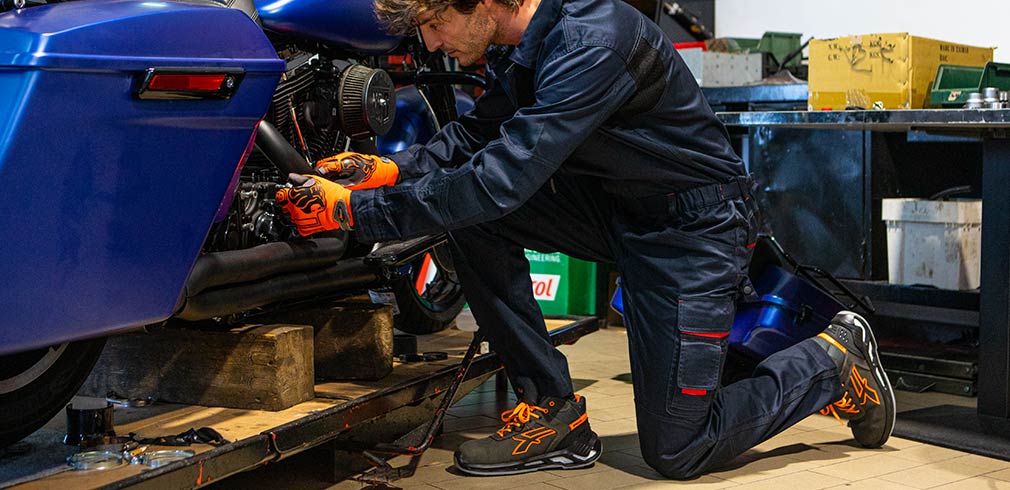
(110, 191)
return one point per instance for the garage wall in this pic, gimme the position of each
(973, 22)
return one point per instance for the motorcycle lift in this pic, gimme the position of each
(365, 422)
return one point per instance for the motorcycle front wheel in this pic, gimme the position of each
(428, 294)
(37, 384)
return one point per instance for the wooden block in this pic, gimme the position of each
(353, 339)
(258, 367)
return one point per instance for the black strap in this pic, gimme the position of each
(698, 197)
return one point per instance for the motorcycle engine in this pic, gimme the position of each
(321, 106)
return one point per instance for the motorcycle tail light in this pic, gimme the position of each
(197, 83)
(178, 83)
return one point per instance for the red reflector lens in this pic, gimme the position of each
(188, 82)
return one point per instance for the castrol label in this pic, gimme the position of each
(545, 286)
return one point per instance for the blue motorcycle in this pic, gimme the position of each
(141, 144)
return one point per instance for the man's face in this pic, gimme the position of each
(461, 36)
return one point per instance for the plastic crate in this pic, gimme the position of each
(780, 45)
(738, 44)
(935, 243)
(953, 83)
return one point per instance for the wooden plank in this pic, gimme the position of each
(268, 367)
(353, 339)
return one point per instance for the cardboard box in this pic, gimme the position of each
(892, 70)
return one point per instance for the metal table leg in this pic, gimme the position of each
(994, 328)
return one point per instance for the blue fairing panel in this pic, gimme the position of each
(109, 197)
(344, 24)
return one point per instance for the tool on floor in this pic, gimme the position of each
(157, 459)
(203, 435)
(410, 444)
(423, 357)
(96, 460)
(119, 401)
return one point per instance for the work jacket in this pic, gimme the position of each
(593, 88)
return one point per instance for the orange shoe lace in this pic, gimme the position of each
(844, 405)
(519, 416)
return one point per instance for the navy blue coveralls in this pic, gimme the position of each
(593, 139)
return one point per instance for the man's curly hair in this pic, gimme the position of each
(397, 16)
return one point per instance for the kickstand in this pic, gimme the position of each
(410, 444)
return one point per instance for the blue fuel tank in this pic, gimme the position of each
(344, 24)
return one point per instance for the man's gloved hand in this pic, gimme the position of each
(359, 171)
(315, 204)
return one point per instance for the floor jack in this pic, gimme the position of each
(417, 441)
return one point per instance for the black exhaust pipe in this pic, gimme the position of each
(349, 274)
(238, 266)
(280, 153)
(226, 283)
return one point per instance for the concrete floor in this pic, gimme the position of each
(816, 453)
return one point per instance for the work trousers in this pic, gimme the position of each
(683, 260)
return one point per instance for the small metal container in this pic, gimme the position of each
(157, 459)
(96, 460)
(975, 101)
(89, 424)
(990, 94)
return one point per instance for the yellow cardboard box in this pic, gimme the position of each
(895, 70)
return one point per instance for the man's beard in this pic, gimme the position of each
(473, 49)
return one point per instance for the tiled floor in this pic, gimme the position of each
(817, 453)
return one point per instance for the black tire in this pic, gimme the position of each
(35, 385)
(434, 308)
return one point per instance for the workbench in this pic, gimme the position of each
(985, 133)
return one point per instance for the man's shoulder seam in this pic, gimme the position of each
(573, 42)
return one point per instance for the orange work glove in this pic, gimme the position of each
(315, 204)
(359, 171)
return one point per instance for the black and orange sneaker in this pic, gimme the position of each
(868, 400)
(554, 434)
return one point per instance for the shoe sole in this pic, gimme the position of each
(563, 459)
(879, 376)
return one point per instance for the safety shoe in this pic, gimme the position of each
(868, 399)
(554, 434)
